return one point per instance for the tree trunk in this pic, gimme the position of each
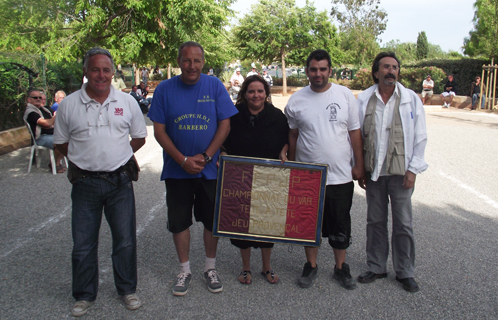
(137, 74)
(284, 76)
(169, 70)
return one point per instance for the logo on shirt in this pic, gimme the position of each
(333, 111)
(118, 111)
(206, 98)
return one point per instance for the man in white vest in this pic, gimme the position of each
(394, 138)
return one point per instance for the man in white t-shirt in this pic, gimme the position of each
(325, 129)
(427, 87)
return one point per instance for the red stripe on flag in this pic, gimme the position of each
(236, 197)
(302, 206)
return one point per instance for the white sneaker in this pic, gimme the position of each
(445, 105)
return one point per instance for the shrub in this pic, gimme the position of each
(412, 78)
(362, 80)
(225, 76)
(292, 81)
(463, 70)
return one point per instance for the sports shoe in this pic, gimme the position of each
(445, 105)
(344, 277)
(80, 308)
(182, 283)
(131, 301)
(213, 281)
(309, 275)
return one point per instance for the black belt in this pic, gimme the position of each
(101, 173)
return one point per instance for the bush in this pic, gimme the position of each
(225, 76)
(463, 70)
(292, 81)
(362, 80)
(412, 78)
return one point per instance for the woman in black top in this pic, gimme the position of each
(259, 130)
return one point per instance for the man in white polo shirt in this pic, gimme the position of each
(93, 129)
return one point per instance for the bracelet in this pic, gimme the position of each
(185, 160)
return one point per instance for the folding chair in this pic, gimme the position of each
(35, 147)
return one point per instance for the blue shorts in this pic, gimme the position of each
(46, 140)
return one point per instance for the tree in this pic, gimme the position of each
(133, 30)
(361, 23)
(422, 46)
(483, 40)
(278, 30)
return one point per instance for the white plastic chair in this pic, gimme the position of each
(35, 147)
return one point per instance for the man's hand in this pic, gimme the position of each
(409, 180)
(194, 164)
(358, 173)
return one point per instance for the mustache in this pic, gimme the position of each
(390, 75)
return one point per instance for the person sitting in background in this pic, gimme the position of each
(427, 87)
(41, 121)
(449, 92)
(142, 102)
(234, 90)
(475, 93)
(59, 95)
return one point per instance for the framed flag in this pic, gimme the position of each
(264, 200)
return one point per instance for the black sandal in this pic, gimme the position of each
(244, 274)
(272, 273)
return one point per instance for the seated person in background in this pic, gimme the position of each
(475, 93)
(427, 87)
(118, 83)
(345, 74)
(59, 96)
(142, 102)
(41, 121)
(234, 90)
(449, 92)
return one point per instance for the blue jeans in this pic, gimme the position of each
(112, 193)
(46, 140)
(475, 96)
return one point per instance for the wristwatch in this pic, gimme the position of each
(207, 158)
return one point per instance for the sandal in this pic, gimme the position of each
(245, 277)
(60, 169)
(273, 276)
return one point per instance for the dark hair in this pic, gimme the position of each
(190, 44)
(478, 77)
(376, 63)
(133, 86)
(31, 90)
(95, 51)
(241, 97)
(318, 55)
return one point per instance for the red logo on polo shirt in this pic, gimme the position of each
(118, 111)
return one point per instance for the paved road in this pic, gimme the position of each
(455, 221)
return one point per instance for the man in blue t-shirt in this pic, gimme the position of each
(191, 115)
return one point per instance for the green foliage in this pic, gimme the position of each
(225, 76)
(293, 81)
(405, 51)
(61, 75)
(412, 78)
(278, 30)
(463, 70)
(133, 30)
(483, 40)
(361, 23)
(362, 80)
(422, 46)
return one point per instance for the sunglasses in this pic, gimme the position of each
(36, 98)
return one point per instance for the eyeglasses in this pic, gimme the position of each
(36, 98)
(388, 66)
